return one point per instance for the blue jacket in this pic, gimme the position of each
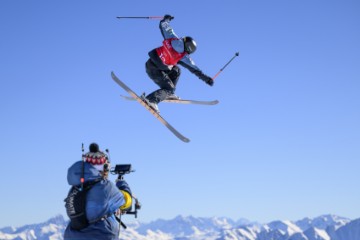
(103, 199)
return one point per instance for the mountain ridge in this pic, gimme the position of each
(324, 227)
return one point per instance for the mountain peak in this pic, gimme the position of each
(322, 222)
(58, 219)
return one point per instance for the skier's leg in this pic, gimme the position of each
(166, 89)
(157, 76)
(164, 80)
(174, 75)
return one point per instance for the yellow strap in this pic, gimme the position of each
(128, 200)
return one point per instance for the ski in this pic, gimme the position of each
(183, 101)
(144, 104)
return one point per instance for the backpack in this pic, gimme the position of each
(75, 204)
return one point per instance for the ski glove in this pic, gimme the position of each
(209, 81)
(168, 17)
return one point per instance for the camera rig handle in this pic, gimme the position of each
(137, 207)
(121, 170)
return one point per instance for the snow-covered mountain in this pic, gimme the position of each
(322, 222)
(326, 227)
(50, 230)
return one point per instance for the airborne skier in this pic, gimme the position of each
(162, 68)
(162, 65)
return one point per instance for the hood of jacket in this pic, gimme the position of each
(75, 172)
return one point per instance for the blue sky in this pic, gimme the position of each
(283, 143)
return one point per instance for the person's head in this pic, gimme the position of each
(189, 45)
(98, 159)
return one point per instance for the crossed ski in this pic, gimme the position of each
(154, 113)
(135, 97)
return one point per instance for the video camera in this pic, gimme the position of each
(121, 170)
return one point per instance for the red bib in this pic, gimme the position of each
(167, 54)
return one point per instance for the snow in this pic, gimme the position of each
(249, 234)
(286, 227)
(322, 233)
(22, 236)
(50, 228)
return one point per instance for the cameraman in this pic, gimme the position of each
(103, 200)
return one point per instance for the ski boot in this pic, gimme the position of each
(173, 97)
(152, 105)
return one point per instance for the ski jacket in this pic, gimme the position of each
(174, 47)
(102, 200)
(168, 55)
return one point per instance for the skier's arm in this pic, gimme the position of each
(166, 30)
(189, 64)
(123, 186)
(125, 190)
(128, 201)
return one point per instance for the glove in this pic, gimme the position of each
(209, 81)
(168, 17)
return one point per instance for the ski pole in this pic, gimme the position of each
(236, 54)
(151, 17)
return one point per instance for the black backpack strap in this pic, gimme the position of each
(75, 204)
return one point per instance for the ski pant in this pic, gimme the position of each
(165, 79)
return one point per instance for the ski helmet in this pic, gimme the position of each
(189, 44)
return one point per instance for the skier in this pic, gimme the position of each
(103, 201)
(162, 65)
